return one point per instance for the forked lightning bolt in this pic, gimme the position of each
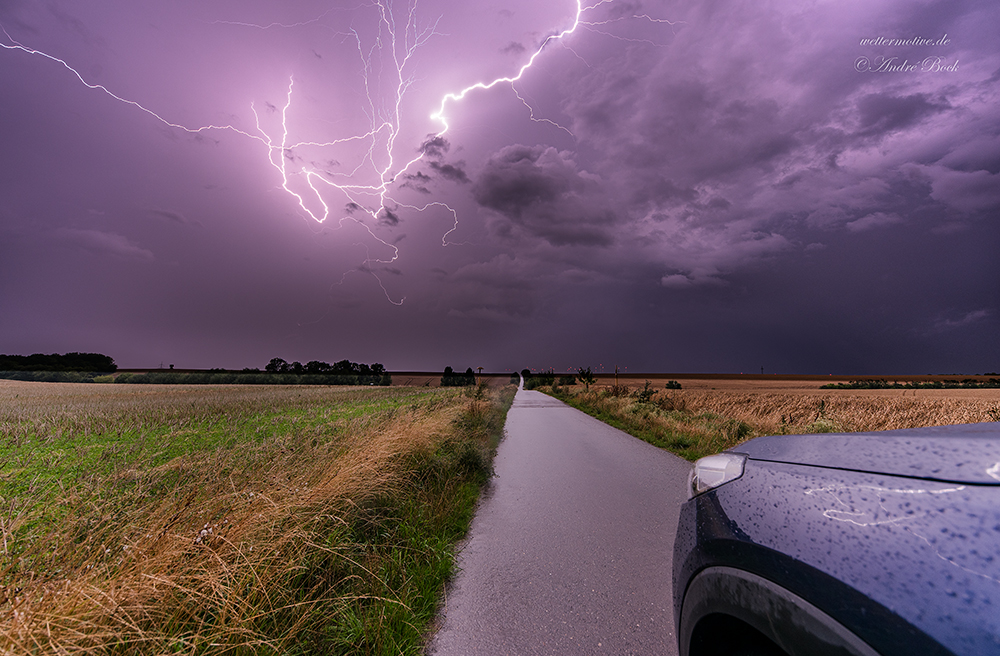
(379, 164)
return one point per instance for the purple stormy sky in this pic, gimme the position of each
(714, 186)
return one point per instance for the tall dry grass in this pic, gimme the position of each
(698, 423)
(309, 540)
(773, 413)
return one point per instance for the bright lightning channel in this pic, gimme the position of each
(457, 96)
(384, 124)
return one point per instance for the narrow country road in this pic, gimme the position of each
(570, 550)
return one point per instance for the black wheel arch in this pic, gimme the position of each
(721, 601)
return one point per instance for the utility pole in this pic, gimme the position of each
(480, 375)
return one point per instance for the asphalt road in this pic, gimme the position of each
(570, 550)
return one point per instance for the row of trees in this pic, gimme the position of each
(548, 378)
(344, 372)
(344, 367)
(95, 362)
(451, 378)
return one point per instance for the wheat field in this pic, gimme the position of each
(713, 414)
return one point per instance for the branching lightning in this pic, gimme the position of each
(380, 164)
(459, 95)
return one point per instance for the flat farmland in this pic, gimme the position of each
(158, 519)
(711, 413)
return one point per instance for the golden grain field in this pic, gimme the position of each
(709, 415)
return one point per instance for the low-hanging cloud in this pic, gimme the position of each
(541, 191)
(434, 149)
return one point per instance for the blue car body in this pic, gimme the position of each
(861, 543)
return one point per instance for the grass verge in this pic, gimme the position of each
(233, 520)
(661, 419)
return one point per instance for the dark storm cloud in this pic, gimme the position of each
(541, 191)
(450, 172)
(718, 132)
(747, 141)
(881, 113)
(514, 180)
(416, 181)
(418, 177)
(388, 217)
(724, 156)
(435, 148)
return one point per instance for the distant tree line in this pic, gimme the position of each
(453, 379)
(277, 372)
(548, 378)
(93, 362)
(545, 378)
(344, 372)
(342, 368)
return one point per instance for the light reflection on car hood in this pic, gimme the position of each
(964, 453)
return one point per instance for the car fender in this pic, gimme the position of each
(790, 622)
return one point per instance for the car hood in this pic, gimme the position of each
(964, 453)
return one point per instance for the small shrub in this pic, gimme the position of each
(644, 395)
(823, 425)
